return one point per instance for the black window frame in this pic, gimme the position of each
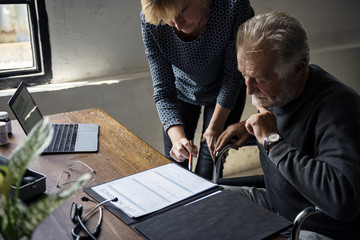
(41, 72)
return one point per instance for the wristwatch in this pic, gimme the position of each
(271, 139)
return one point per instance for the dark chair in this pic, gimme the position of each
(256, 181)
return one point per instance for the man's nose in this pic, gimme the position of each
(251, 85)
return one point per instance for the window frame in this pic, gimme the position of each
(41, 72)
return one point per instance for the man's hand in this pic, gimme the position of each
(235, 130)
(261, 124)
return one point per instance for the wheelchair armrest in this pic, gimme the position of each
(300, 218)
(217, 163)
(219, 155)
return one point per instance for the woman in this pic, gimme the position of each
(190, 45)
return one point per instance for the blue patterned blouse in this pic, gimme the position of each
(201, 72)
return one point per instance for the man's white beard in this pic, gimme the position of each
(286, 96)
(258, 99)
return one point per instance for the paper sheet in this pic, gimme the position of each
(154, 189)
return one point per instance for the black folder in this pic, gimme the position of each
(224, 215)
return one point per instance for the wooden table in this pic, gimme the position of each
(121, 153)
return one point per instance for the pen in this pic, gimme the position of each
(190, 158)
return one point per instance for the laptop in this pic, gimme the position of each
(67, 138)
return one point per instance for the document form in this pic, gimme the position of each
(148, 191)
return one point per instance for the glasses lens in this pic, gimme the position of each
(73, 172)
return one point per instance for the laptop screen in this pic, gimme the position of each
(24, 108)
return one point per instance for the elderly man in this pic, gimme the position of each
(307, 128)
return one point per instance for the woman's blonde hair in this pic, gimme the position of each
(158, 11)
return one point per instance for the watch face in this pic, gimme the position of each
(274, 137)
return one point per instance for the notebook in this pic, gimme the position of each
(67, 138)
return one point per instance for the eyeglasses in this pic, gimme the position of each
(74, 171)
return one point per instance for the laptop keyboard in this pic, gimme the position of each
(64, 138)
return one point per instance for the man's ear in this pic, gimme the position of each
(300, 69)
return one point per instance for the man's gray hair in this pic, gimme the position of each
(276, 33)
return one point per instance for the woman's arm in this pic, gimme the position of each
(165, 94)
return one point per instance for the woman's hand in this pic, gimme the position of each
(215, 128)
(210, 136)
(182, 147)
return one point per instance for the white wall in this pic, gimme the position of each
(97, 39)
(333, 28)
(92, 38)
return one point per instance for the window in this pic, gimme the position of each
(24, 43)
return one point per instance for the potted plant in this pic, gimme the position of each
(19, 219)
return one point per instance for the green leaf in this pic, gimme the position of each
(3, 219)
(6, 179)
(38, 139)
